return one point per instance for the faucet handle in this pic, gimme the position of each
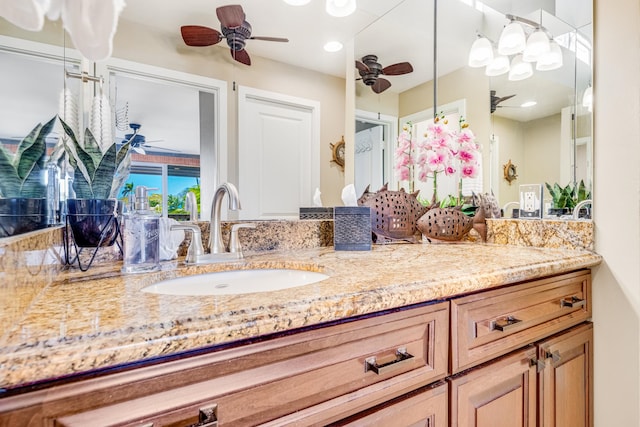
(234, 241)
(195, 250)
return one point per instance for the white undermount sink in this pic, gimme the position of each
(235, 282)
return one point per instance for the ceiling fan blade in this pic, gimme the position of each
(361, 66)
(139, 150)
(504, 98)
(270, 39)
(381, 85)
(196, 35)
(230, 16)
(155, 147)
(397, 69)
(241, 56)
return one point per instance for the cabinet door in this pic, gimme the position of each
(426, 407)
(566, 383)
(499, 394)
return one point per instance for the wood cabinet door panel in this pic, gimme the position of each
(566, 383)
(500, 394)
(490, 324)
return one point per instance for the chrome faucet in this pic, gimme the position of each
(191, 205)
(215, 232)
(580, 205)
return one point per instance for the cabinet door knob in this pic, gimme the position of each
(505, 324)
(539, 364)
(572, 302)
(370, 364)
(555, 356)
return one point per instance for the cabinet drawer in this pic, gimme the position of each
(492, 323)
(410, 345)
(427, 407)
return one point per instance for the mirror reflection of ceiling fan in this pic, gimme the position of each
(235, 29)
(370, 70)
(495, 100)
(139, 142)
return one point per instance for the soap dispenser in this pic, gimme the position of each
(141, 235)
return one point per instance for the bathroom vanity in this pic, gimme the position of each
(435, 335)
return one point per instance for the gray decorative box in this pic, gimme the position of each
(316, 213)
(352, 228)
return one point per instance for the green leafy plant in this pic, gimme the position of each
(568, 196)
(97, 175)
(21, 174)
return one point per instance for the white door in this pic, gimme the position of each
(278, 153)
(369, 159)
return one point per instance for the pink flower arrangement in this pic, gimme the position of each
(442, 151)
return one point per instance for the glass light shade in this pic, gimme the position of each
(551, 60)
(587, 98)
(340, 8)
(520, 69)
(498, 66)
(481, 53)
(512, 40)
(537, 45)
(296, 2)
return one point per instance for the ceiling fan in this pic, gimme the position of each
(139, 142)
(370, 69)
(495, 100)
(235, 29)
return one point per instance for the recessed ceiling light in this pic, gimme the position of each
(297, 2)
(340, 8)
(333, 46)
(528, 104)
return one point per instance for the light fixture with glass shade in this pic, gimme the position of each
(512, 39)
(296, 2)
(520, 69)
(537, 45)
(587, 98)
(498, 66)
(551, 60)
(481, 53)
(340, 8)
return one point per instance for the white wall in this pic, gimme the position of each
(616, 284)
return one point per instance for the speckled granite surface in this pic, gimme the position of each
(73, 322)
(545, 233)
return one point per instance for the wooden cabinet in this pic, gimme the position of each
(548, 384)
(566, 382)
(500, 394)
(316, 376)
(520, 355)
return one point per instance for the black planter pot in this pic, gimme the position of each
(20, 215)
(91, 220)
(559, 211)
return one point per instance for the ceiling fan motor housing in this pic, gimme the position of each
(237, 36)
(370, 76)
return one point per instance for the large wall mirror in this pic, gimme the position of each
(544, 129)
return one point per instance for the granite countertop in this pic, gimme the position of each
(85, 321)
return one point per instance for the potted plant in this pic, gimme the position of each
(97, 177)
(23, 203)
(564, 199)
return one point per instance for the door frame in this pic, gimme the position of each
(390, 134)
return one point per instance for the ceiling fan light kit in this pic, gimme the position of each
(538, 48)
(340, 8)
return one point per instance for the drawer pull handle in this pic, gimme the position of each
(555, 356)
(207, 416)
(572, 302)
(506, 323)
(370, 364)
